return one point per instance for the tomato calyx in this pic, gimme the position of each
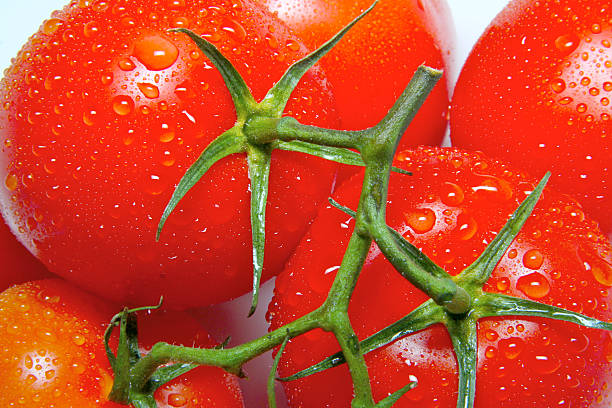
(473, 304)
(128, 354)
(256, 133)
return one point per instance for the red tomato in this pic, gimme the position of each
(536, 91)
(52, 352)
(102, 113)
(371, 66)
(453, 205)
(18, 265)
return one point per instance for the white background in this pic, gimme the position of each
(20, 18)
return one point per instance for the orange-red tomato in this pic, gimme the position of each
(536, 90)
(52, 352)
(101, 114)
(451, 207)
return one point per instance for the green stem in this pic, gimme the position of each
(263, 129)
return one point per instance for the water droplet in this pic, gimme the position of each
(49, 374)
(177, 400)
(491, 335)
(534, 285)
(155, 52)
(155, 185)
(601, 269)
(503, 284)
(52, 82)
(493, 188)
(566, 101)
(466, 226)
(511, 347)
(11, 182)
(451, 194)
(533, 259)
(176, 4)
(567, 43)
(78, 340)
(607, 86)
(490, 352)
(149, 90)
(545, 364)
(168, 160)
(50, 26)
(106, 79)
(558, 85)
(605, 101)
(28, 362)
(126, 64)
(180, 22)
(91, 29)
(421, 220)
(185, 91)
(89, 117)
(123, 105)
(235, 29)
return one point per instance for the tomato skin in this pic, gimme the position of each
(454, 203)
(18, 265)
(536, 91)
(52, 351)
(102, 113)
(373, 63)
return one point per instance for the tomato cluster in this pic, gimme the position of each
(105, 109)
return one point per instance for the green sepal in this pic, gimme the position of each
(389, 401)
(463, 333)
(479, 272)
(276, 99)
(427, 314)
(259, 173)
(272, 377)
(228, 143)
(335, 154)
(167, 374)
(493, 304)
(241, 95)
(138, 400)
(127, 355)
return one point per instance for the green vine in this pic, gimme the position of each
(456, 302)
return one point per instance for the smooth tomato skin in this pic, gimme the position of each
(18, 265)
(452, 205)
(370, 67)
(52, 351)
(102, 113)
(536, 90)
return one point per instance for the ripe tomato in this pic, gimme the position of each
(536, 91)
(101, 114)
(370, 67)
(52, 352)
(18, 265)
(452, 206)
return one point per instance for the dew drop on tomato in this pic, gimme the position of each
(466, 226)
(126, 64)
(451, 194)
(123, 105)
(11, 182)
(567, 43)
(545, 364)
(50, 26)
(533, 259)
(511, 347)
(149, 90)
(177, 400)
(91, 29)
(155, 52)
(558, 85)
(534, 285)
(421, 220)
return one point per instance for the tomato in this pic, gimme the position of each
(103, 111)
(536, 91)
(52, 351)
(18, 265)
(451, 207)
(370, 67)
